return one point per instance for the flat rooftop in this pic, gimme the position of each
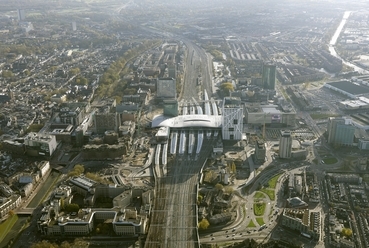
(352, 88)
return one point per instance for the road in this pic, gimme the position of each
(174, 216)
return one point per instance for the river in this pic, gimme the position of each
(333, 42)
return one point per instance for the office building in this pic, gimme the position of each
(285, 144)
(260, 151)
(166, 88)
(21, 14)
(307, 223)
(340, 131)
(40, 144)
(74, 26)
(105, 117)
(270, 114)
(232, 119)
(268, 76)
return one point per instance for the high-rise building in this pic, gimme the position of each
(74, 26)
(268, 76)
(21, 14)
(232, 118)
(260, 151)
(166, 88)
(340, 131)
(285, 144)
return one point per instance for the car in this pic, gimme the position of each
(234, 229)
(248, 231)
(212, 238)
(227, 236)
(227, 231)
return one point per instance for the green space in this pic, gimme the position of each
(259, 195)
(330, 160)
(260, 221)
(7, 225)
(316, 116)
(251, 224)
(259, 208)
(273, 181)
(269, 192)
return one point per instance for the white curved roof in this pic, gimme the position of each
(181, 121)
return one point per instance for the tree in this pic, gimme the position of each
(218, 186)
(347, 232)
(204, 224)
(74, 71)
(44, 244)
(7, 74)
(78, 169)
(72, 207)
(226, 88)
(11, 213)
(65, 244)
(199, 199)
(228, 189)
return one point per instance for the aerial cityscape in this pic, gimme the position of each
(184, 124)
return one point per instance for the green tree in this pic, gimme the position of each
(74, 71)
(7, 74)
(228, 189)
(72, 207)
(347, 232)
(218, 186)
(44, 244)
(204, 224)
(226, 88)
(199, 199)
(11, 212)
(78, 169)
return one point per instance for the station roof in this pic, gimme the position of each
(182, 121)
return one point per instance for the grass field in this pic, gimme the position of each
(273, 181)
(269, 192)
(6, 226)
(260, 221)
(330, 160)
(259, 195)
(259, 208)
(251, 224)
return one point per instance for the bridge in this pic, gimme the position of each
(24, 211)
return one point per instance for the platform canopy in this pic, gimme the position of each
(183, 121)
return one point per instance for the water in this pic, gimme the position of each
(333, 42)
(43, 190)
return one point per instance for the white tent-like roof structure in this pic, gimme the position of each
(182, 121)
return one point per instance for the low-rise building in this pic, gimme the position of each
(40, 144)
(7, 204)
(302, 221)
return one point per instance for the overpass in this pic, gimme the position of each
(24, 211)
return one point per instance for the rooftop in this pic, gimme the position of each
(210, 121)
(352, 88)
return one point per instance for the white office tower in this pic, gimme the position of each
(21, 14)
(232, 119)
(74, 26)
(285, 144)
